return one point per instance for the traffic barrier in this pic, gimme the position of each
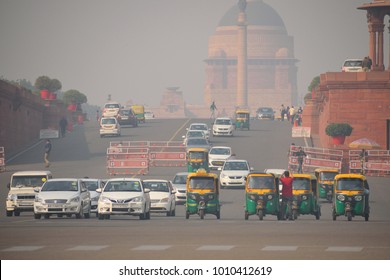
(167, 158)
(2, 159)
(127, 166)
(375, 162)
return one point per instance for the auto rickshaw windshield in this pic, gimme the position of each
(350, 184)
(261, 182)
(242, 115)
(328, 176)
(197, 155)
(301, 184)
(202, 183)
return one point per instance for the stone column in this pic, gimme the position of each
(372, 45)
(388, 65)
(242, 80)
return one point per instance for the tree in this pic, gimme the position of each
(314, 83)
(73, 96)
(54, 85)
(42, 82)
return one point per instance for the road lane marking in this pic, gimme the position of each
(344, 249)
(177, 131)
(215, 248)
(279, 248)
(151, 248)
(22, 249)
(87, 248)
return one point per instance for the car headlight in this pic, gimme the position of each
(358, 198)
(39, 199)
(138, 199)
(12, 197)
(96, 198)
(104, 199)
(341, 197)
(223, 175)
(74, 200)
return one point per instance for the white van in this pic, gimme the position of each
(21, 193)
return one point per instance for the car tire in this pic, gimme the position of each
(37, 216)
(46, 216)
(173, 212)
(81, 213)
(100, 216)
(9, 213)
(17, 213)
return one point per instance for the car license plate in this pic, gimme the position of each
(55, 205)
(121, 205)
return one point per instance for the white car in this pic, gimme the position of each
(233, 173)
(111, 109)
(22, 187)
(200, 126)
(65, 196)
(352, 65)
(193, 133)
(197, 142)
(179, 184)
(109, 126)
(92, 184)
(149, 115)
(223, 127)
(162, 196)
(124, 196)
(218, 155)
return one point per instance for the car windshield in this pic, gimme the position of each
(301, 184)
(235, 165)
(157, 186)
(123, 186)
(200, 183)
(353, 63)
(125, 112)
(198, 127)
(60, 186)
(261, 182)
(195, 134)
(108, 121)
(220, 151)
(328, 176)
(180, 179)
(265, 110)
(223, 121)
(91, 185)
(197, 141)
(28, 181)
(112, 106)
(350, 184)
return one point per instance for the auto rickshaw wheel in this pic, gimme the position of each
(187, 215)
(366, 216)
(218, 214)
(334, 216)
(201, 214)
(246, 215)
(349, 216)
(261, 215)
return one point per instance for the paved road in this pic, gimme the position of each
(82, 153)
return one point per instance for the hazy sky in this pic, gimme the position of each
(134, 49)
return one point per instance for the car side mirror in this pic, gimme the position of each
(36, 189)
(183, 136)
(99, 190)
(251, 169)
(146, 190)
(8, 186)
(173, 191)
(219, 168)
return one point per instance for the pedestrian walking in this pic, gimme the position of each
(287, 195)
(48, 147)
(300, 155)
(282, 112)
(63, 124)
(213, 107)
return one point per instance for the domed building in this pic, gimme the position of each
(271, 71)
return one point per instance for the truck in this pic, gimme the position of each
(139, 111)
(22, 190)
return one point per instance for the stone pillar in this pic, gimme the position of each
(242, 79)
(388, 65)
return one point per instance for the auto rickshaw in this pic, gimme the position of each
(202, 194)
(197, 158)
(261, 195)
(325, 181)
(351, 196)
(305, 196)
(242, 119)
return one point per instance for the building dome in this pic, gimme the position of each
(257, 13)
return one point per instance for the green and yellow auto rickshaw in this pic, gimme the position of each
(202, 194)
(325, 181)
(242, 119)
(197, 158)
(351, 196)
(305, 196)
(261, 195)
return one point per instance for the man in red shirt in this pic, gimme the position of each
(287, 194)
